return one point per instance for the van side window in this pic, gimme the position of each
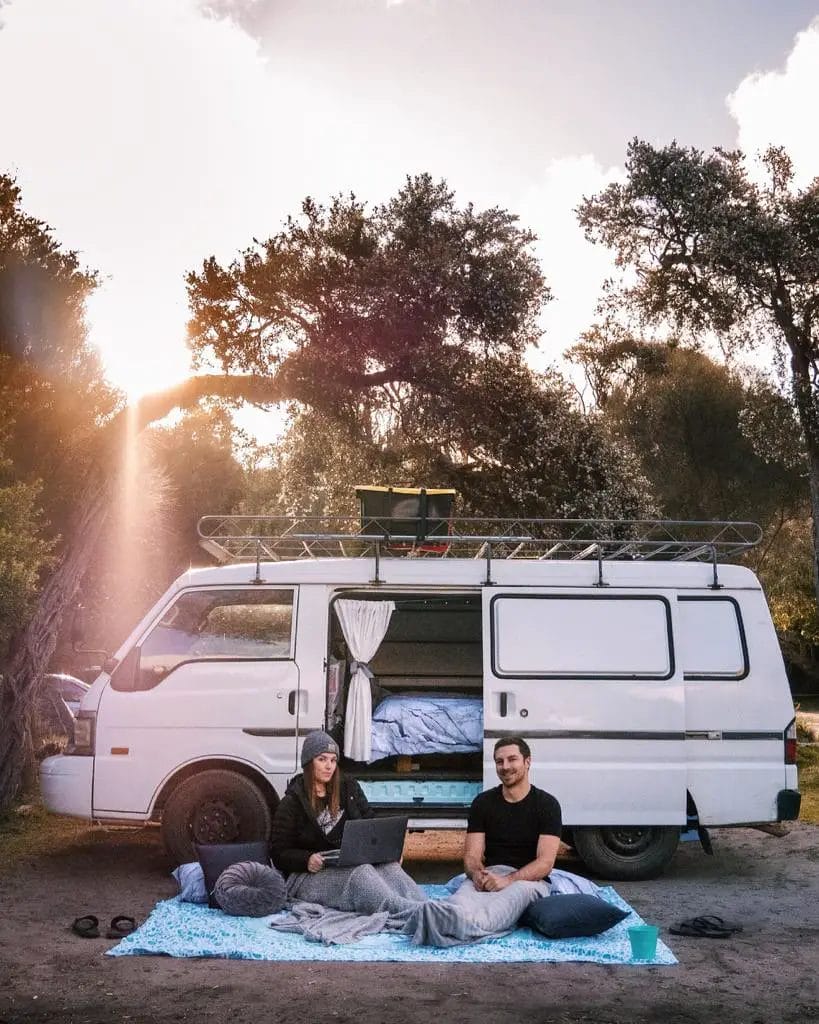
(566, 636)
(217, 625)
(712, 638)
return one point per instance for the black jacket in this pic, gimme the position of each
(296, 834)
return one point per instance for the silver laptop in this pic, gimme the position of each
(369, 841)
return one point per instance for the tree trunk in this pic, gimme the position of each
(813, 479)
(31, 648)
(806, 407)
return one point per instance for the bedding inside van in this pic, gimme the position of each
(424, 724)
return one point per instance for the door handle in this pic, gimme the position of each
(291, 701)
(504, 704)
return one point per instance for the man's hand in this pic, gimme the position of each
(315, 863)
(479, 879)
(494, 883)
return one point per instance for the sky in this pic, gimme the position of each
(151, 134)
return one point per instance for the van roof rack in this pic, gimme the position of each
(246, 538)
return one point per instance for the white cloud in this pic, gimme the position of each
(779, 107)
(574, 268)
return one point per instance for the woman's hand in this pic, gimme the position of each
(315, 863)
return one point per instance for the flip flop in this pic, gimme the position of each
(87, 927)
(704, 927)
(712, 921)
(121, 926)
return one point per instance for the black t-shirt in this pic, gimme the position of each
(512, 829)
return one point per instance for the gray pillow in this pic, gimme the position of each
(215, 857)
(250, 890)
(571, 915)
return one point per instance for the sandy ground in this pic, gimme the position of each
(768, 973)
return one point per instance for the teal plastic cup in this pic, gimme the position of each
(643, 938)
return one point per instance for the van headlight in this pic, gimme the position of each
(84, 735)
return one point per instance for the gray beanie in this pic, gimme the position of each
(316, 743)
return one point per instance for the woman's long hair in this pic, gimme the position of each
(333, 789)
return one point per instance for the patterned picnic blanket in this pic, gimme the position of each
(182, 929)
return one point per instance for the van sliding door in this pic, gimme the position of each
(590, 680)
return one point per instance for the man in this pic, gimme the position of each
(516, 824)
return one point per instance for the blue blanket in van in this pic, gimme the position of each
(419, 724)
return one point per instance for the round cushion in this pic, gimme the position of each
(248, 889)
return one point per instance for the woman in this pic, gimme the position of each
(310, 820)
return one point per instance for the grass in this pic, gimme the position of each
(809, 783)
(30, 830)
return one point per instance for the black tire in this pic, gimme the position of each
(626, 853)
(215, 806)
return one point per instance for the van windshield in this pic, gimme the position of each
(218, 625)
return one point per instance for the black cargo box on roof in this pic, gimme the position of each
(415, 512)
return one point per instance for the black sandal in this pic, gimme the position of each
(87, 927)
(121, 926)
(707, 926)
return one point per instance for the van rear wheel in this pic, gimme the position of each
(215, 806)
(626, 853)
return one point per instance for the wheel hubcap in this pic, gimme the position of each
(628, 842)
(215, 822)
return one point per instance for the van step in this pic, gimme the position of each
(417, 793)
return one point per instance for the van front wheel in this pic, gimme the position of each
(626, 853)
(215, 806)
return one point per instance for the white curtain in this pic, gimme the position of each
(364, 624)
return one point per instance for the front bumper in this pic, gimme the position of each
(65, 784)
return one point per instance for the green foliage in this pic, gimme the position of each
(707, 248)
(713, 250)
(50, 377)
(345, 299)
(511, 442)
(713, 444)
(786, 575)
(175, 474)
(399, 332)
(53, 397)
(201, 473)
(24, 552)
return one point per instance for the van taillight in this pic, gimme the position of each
(790, 743)
(84, 735)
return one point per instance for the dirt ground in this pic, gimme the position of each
(767, 973)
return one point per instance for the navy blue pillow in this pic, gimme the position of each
(215, 857)
(572, 915)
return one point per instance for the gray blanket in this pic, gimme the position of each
(333, 927)
(472, 916)
(466, 916)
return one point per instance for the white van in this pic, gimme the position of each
(652, 692)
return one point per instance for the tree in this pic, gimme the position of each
(52, 397)
(344, 303)
(509, 441)
(403, 330)
(52, 384)
(712, 250)
(713, 444)
(24, 551)
(404, 324)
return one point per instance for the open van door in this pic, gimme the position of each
(589, 678)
